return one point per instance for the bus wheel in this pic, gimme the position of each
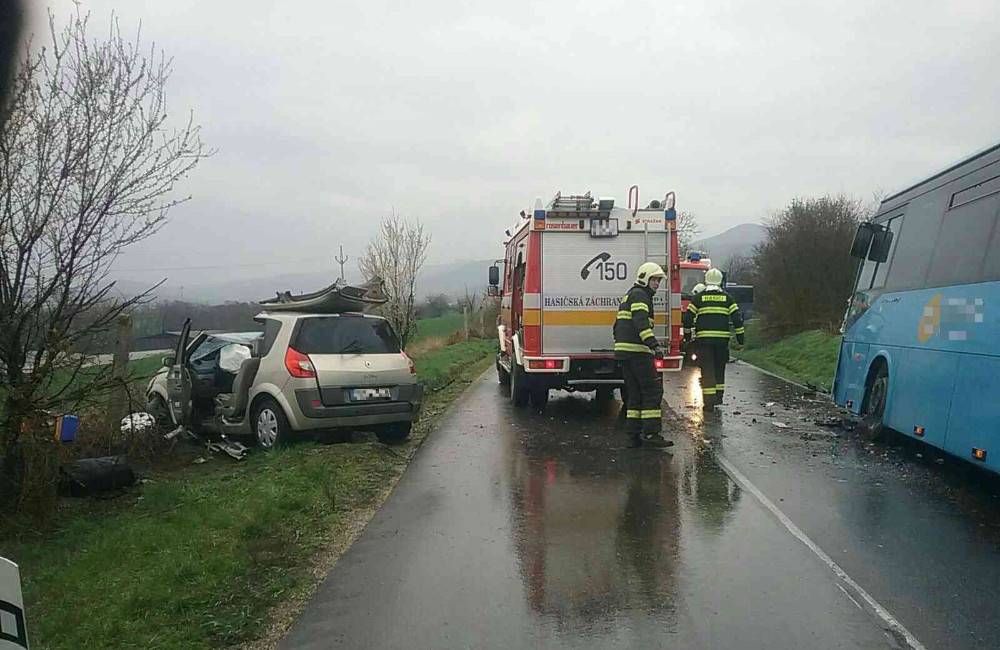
(873, 407)
(518, 385)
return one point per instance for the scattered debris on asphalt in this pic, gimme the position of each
(780, 425)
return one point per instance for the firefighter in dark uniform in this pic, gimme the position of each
(636, 349)
(710, 314)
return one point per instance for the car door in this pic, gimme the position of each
(179, 380)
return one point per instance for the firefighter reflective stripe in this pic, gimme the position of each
(634, 323)
(648, 414)
(733, 308)
(741, 330)
(633, 414)
(720, 387)
(632, 347)
(712, 334)
(693, 308)
(708, 391)
(714, 310)
(713, 297)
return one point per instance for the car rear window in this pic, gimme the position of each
(345, 335)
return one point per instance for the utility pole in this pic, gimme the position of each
(341, 260)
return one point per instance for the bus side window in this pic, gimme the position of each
(894, 225)
(961, 247)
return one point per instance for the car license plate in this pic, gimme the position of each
(369, 394)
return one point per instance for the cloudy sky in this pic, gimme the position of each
(328, 114)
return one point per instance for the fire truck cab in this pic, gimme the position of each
(566, 268)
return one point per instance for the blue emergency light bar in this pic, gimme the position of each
(694, 257)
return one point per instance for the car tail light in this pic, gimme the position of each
(299, 365)
(409, 362)
(545, 364)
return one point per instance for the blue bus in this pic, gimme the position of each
(921, 347)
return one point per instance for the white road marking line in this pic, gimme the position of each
(881, 612)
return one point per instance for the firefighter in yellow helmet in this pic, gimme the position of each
(710, 315)
(636, 349)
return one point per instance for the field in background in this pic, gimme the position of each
(807, 357)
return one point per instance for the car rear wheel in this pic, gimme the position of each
(393, 433)
(270, 426)
(518, 386)
(873, 407)
(604, 394)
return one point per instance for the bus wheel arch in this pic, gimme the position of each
(876, 396)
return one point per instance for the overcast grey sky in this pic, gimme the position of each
(327, 115)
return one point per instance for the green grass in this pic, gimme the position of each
(197, 558)
(439, 367)
(440, 326)
(806, 357)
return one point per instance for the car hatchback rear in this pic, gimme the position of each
(347, 370)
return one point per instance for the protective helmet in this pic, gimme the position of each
(647, 271)
(714, 277)
(698, 288)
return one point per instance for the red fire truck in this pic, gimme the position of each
(566, 268)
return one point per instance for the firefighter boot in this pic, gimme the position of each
(655, 440)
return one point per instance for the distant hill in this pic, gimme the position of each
(738, 240)
(451, 279)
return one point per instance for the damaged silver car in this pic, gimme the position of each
(308, 371)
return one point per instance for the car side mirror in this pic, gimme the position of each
(881, 244)
(493, 291)
(169, 360)
(863, 240)
(494, 275)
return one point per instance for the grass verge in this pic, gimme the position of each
(219, 554)
(441, 326)
(806, 357)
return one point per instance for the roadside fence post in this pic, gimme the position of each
(119, 372)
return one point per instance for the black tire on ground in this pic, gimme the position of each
(518, 385)
(394, 432)
(539, 396)
(157, 407)
(604, 394)
(502, 375)
(873, 405)
(269, 424)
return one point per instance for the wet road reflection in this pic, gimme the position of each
(519, 529)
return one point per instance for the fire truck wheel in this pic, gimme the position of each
(604, 394)
(518, 386)
(539, 396)
(502, 374)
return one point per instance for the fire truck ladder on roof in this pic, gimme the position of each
(579, 203)
(662, 332)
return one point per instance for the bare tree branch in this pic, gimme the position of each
(396, 256)
(89, 161)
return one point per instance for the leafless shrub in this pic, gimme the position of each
(396, 255)
(687, 229)
(88, 165)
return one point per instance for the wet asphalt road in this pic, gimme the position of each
(517, 529)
